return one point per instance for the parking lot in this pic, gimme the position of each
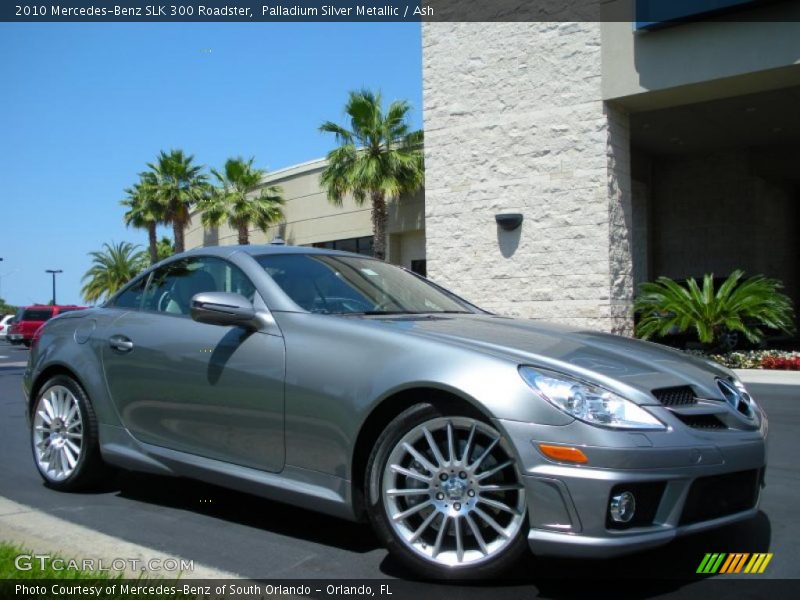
(260, 539)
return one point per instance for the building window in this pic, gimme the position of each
(361, 245)
(420, 267)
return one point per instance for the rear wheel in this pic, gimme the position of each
(64, 436)
(446, 495)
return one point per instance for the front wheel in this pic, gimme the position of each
(446, 496)
(64, 436)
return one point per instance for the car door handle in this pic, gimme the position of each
(120, 343)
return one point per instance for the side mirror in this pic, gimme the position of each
(223, 308)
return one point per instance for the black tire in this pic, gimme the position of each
(380, 520)
(89, 469)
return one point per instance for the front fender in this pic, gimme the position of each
(339, 370)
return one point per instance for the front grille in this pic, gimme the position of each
(676, 396)
(702, 421)
(647, 496)
(720, 495)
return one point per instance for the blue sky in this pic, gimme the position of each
(83, 107)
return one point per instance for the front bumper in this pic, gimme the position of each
(685, 489)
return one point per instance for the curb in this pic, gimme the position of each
(44, 534)
(770, 377)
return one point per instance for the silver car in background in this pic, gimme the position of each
(349, 386)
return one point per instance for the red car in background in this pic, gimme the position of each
(29, 319)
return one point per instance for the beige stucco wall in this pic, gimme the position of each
(699, 61)
(406, 247)
(311, 218)
(515, 122)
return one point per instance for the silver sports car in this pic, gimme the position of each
(349, 386)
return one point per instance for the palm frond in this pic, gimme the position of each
(376, 155)
(745, 306)
(112, 267)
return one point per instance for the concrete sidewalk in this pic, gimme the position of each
(40, 533)
(770, 377)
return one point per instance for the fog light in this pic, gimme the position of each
(622, 507)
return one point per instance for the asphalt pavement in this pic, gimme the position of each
(260, 539)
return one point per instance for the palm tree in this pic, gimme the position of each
(165, 248)
(179, 185)
(378, 157)
(240, 202)
(144, 210)
(112, 267)
(742, 306)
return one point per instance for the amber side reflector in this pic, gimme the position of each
(563, 453)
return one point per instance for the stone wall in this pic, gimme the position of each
(515, 122)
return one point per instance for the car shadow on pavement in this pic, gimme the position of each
(650, 573)
(244, 509)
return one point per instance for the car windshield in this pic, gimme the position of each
(331, 284)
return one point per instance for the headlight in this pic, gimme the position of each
(589, 403)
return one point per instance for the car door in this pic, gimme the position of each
(209, 390)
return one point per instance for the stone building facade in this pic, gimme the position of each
(630, 153)
(625, 151)
(515, 122)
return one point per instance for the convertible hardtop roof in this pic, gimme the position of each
(261, 249)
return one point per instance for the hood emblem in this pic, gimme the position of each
(737, 399)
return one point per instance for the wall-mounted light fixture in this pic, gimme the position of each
(508, 221)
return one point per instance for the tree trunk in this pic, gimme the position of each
(244, 235)
(177, 231)
(379, 218)
(152, 240)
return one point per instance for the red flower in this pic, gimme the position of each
(783, 363)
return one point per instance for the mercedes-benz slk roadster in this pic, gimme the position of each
(345, 385)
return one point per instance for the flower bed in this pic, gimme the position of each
(755, 359)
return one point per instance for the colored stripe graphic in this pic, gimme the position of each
(734, 563)
(731, 558)
(758, 563)
(740, 564)
(703, 563)
(766, 562)
(721, 562)
(711, 563)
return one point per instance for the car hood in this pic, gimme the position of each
(610, 360)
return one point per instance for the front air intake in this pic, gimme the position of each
(676, 396)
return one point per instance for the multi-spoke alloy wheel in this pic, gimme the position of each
(64, 435)
(57, 433)
(452, 492)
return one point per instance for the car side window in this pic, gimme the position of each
(131, 297)
(172, 287)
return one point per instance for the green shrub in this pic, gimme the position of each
(665, 306)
